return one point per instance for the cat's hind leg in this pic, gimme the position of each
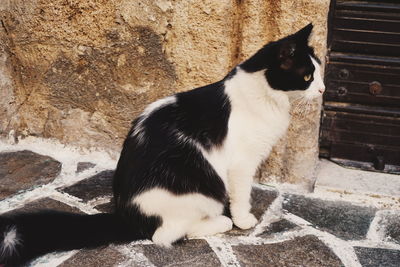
(179, 213)
(210, 226)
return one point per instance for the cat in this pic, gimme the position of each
(186, 158)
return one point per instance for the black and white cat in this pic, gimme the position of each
(186, 158)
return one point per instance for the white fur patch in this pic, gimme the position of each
(10, 241)
(158, 105)
(161, 202)
(259, 117)
(184, 139)
(317, 87)
(178, 212)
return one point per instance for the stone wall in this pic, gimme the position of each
(80, 71)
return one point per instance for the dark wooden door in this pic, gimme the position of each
(360, 126)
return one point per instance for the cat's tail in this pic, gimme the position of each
(28, 235)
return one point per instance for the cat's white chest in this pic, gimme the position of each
(254, 132)
(249, 140)
(259, 115)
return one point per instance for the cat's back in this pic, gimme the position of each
(199, 115)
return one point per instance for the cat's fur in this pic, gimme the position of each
(186, 158)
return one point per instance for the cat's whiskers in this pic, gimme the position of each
(301, 106)
(297, 102)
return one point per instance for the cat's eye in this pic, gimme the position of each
(307, 77)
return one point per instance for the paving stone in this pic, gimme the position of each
(95, 257)
(83, 166)
(99, 185)
(46, 203)
(336, 217)
(192, 253)
(278, 227)
(373, 257)
(106, 207)
(25, 169)
(260, 202)
(301, 251)
(392, 231)
(236, 231)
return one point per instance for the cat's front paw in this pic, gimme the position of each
(245, 221)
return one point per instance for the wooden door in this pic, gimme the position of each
(360, 125)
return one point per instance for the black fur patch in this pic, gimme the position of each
(203, 114)
(46, 231)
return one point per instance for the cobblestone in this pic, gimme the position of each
(339, 218)
(278, 227)
(23, 170)
(99, 185)
(301, 251)
(184, 253)
(283, 242)
(105, 207)
(46, 203)
(392, 231)
(83, 166)
(95, 257)
(373, 257)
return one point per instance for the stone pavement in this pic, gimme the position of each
(293, 229)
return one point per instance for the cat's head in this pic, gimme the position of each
(290, 64)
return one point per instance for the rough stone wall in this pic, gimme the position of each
(80, 71)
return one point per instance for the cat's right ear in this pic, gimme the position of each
(286, 54)
(304, 34)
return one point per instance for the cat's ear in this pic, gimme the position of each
(304, 34)
(289, 45)
(286, 54)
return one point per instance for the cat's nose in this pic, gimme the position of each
(321, 90)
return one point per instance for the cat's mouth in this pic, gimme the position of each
(313, 93)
